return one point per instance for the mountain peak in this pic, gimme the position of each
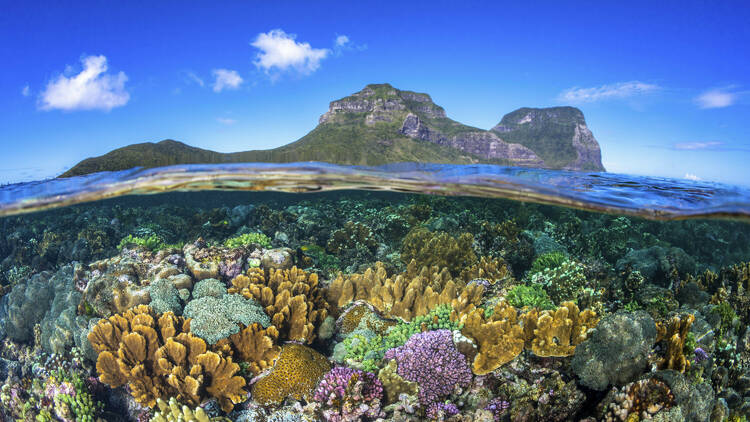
(381, 103)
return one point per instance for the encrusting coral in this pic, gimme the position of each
(292, 298)
(675, 333)
(295, 374)
(558, 332)
(159, 358)
(405, 295)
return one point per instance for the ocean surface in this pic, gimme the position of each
(406, 292)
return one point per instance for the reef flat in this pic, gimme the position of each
(367, 306)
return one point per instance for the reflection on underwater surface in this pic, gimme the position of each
(355, 305)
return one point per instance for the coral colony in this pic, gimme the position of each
(370, 307)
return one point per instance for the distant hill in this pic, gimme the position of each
(381, 124)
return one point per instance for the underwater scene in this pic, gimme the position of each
(496, 294)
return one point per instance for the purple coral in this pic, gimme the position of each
(431, 360)
(349, 394)
(497, 406)
(700, 354)
(438, 411)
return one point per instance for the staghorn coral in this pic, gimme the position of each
(347, 394)
(291, 297)
(438, 249)
(557, 333)
(675, 333)
(405, 295)
(493, 269)
(254, 345)
(159, 358)
(295, 374)
(499, 337)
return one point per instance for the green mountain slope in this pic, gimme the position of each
(375, 126)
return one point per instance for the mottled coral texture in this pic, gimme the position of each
(432, 360)
(348, 394)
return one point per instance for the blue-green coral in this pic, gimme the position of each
(533, 296)
(216, 316)
(563, 282)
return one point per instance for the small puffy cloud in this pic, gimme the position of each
(716, 98)
(280, 51)
(91, 89)
(691, 146)
(607, 92)
(226, 121)
(341, 41)
(226, 79)
(26, 91)
(691, 176)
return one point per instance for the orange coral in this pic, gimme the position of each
(499, 337)
(160, 358)
(558, 332)
(254, 345)
(291, 297)
(492, 269)
(295, 374)
(406, 295)
(675, 333)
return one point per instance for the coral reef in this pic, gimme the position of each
(172, 411)
(295, 374)
(292, 298)
(431, 360)
(159, 358)
(438, 249)
(347, 394)
(557, 333)
(675, 334)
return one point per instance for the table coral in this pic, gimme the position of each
(292, 298)
(405, 295)
(347, 394)
(159, 358)
(432, 360)
(558, 332)
(295, 374)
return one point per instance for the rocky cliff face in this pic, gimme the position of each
(557, 134)
(416, 116)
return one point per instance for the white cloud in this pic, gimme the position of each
(226, 79)
(690, 146)
(91, 89)
(607, 92)
(341, 41)
(280, 51)
(226, 121)
(193, 78)
(26, 91)
(691, 176)
(716, 98)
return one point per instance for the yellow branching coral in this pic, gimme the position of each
(558, 332)
(675, 333)
(291, 297)
(254, 345)
(295, 374)
(173, 411)
(492, 269)
(160, 358)
(406, 295)
(499, 337)
(393, 384)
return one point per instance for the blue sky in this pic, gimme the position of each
(664, 86)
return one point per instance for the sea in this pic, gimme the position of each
(404, 292)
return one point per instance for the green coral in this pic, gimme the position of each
(216, 318)
(547, 260)
(533, 296)
(151, 242)
(562, 283)
(727, 316)
(248, 239)
(369, 351)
